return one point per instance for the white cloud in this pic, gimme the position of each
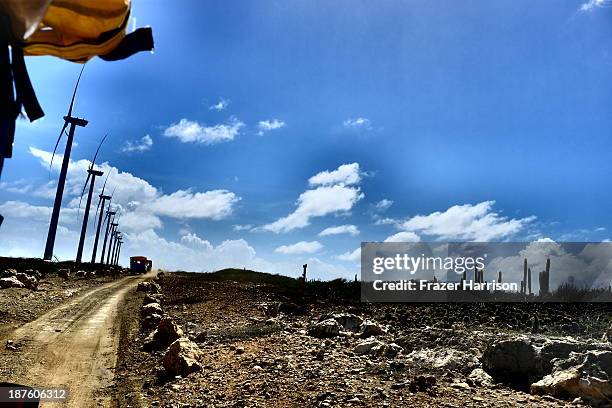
(354, 256)
(333, 196)
(188, 131)
(466, 222)
(246, 227)
(135, 221)
(384, 205)
(346, 174)
(141, 202)
(317, 203)
(46, 190)
(268, 125)
(221, 105)
(592, 4)
(138, 146)
(192, 240)
(302, 247)
(20, 209)
(191, 253)
(404, 236)
(340, 229)
(386, 221)
(215, 204)
(357, 123)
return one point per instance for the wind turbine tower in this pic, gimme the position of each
(93, 174)
(114, 226)
(100, 209)
(110, 218)
(73, 122)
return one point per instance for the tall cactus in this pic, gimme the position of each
(529, 280)
(544, 278)
(478, 275)
(524, 283)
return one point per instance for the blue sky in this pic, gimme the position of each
(479, 121)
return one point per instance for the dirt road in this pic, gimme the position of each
(73, 345)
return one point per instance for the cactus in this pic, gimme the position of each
(478, 275)
(529, 280)
(544, 278)
(524, 282)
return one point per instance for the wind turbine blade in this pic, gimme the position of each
(57, 143)
(82, 193)
(105, 180)
(75, 91)
(113, 193)
(69, 114)
(96, 216)
(98, 150)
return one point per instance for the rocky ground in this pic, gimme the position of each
(189, 340)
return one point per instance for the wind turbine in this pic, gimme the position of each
(119, 251)
(116, 235)
(74, 122)
(118, 241)
(114, 226)
(110, 218)
(93, 174)
(100, 209)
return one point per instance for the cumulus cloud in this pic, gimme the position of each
(357, 123)
(466, 222)
(593, 4)
(340, 229)
(191, 252)
(383, 205)
(26, 187)
(134, 221)
(317, 203)
(302, 247)
(351, 256)
(215, 204)
(404, 236)
(268, 125)
(346, 174)
(137, 146)
(188, 131)
(245, 227)
(20, 209)
(220, 106)
(335, 194)
(142, 203)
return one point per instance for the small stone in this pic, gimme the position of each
(460, 385)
